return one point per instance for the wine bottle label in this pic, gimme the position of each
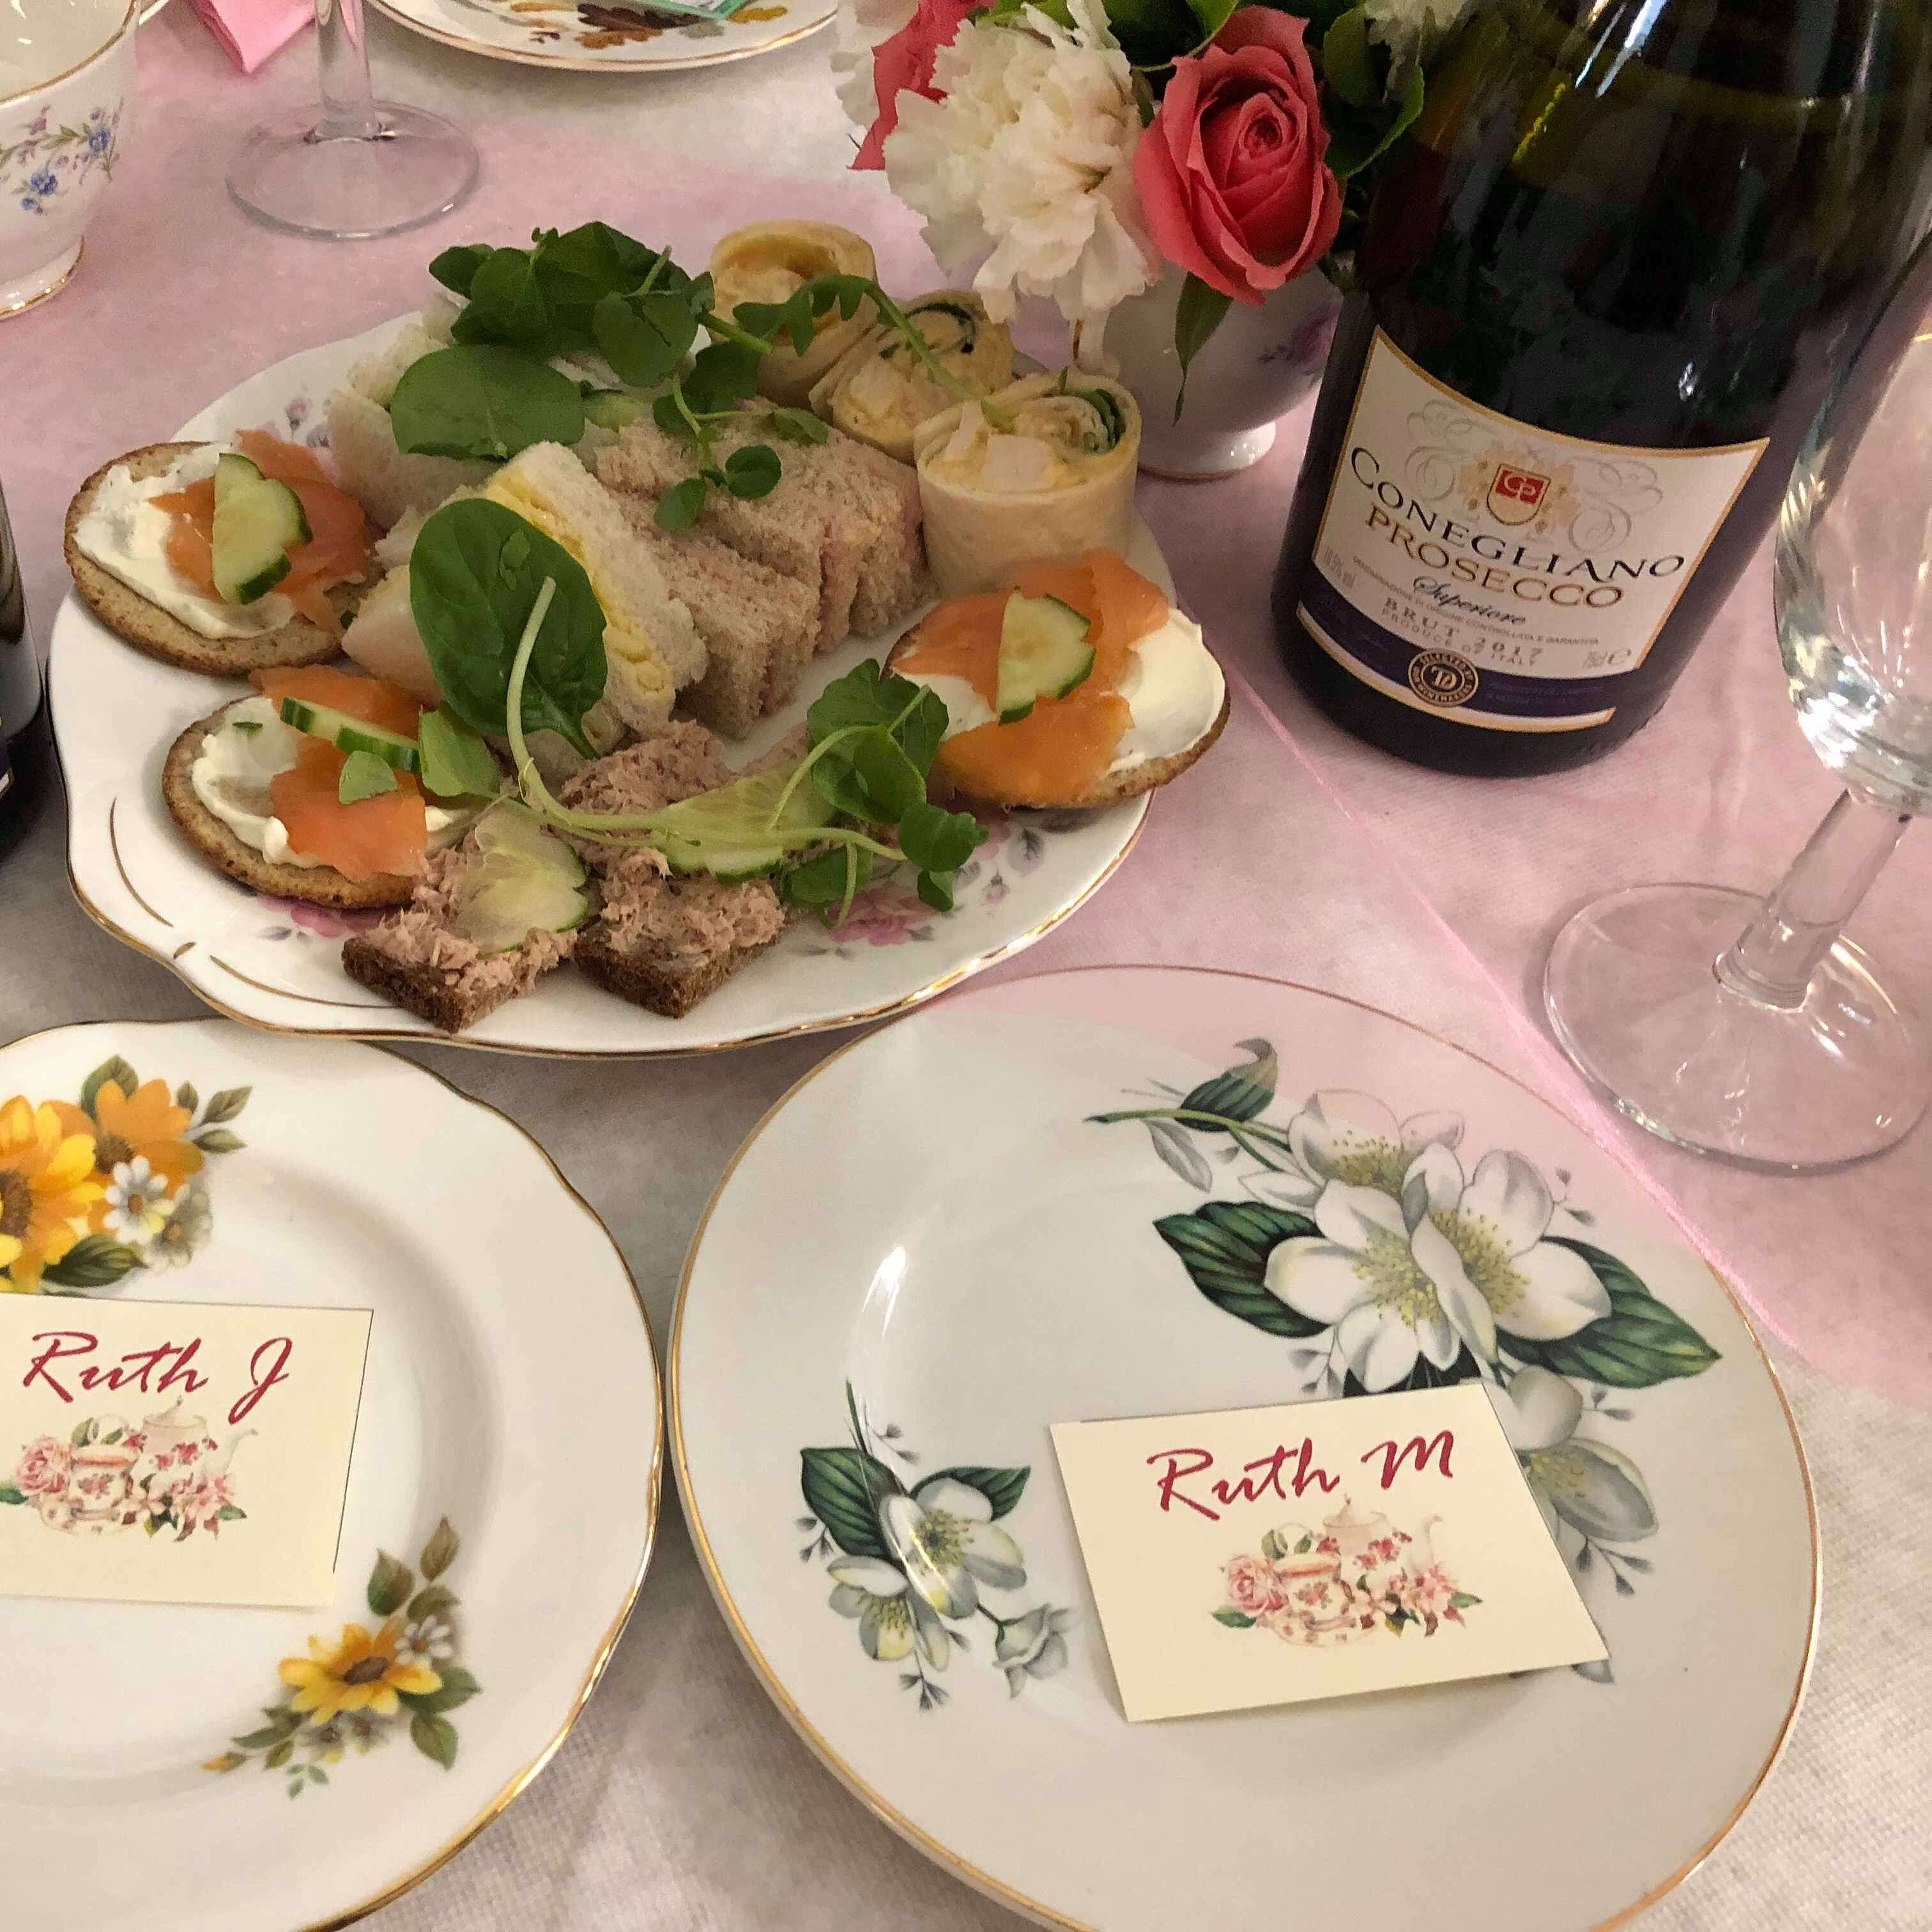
(1498, 574)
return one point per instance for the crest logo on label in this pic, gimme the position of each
(1516, 495)
(1442, 678)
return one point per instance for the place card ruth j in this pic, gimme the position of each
(1272, 1555)
(165, 1452)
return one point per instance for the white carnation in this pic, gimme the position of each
(858, 27)
(1028, 162)
(1412, 28)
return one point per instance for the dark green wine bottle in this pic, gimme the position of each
(1602, 290)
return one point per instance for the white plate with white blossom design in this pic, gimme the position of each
(1127, 1191)
(277, 964)
(165, 1767)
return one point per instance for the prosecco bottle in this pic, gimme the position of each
(1602, 289)
(26, 746)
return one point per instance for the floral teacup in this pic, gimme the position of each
(66, 94)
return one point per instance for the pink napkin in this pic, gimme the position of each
(253, 30)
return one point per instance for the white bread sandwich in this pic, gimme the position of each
(651, 645)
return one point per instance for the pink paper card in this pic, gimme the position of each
(1273, 1556)
(163, 1452)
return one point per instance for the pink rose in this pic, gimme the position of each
(1253, 1587)
(43, 1468)
(1231, 174)
(905, 61)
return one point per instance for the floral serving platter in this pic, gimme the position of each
(335, 1756)
(608, 36)
(1127, 1192)
(278, 964)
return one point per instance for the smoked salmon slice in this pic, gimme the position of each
(388, 833)
(367, 698)
(1066, 745)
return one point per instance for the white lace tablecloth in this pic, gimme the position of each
(681, 1798)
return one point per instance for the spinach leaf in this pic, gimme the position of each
(483, 399)
(644, 338)
(456, 268)
(474, 577)
(456, 763)
(363, 775)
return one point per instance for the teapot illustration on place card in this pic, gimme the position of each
(168, 1472)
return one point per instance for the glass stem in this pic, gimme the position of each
(1775, 955)
(348, 104)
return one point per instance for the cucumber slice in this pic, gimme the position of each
(729, 833)
(1043, 653)
(524, 878)
(613, 408)
(257, 523)
(352, 734)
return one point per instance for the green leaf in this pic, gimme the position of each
(227, 1104)
(227, 1761)
(1153, 33)
(1196, 317)
(936, 840)
(1640, 1343)
(1348, 60)
(82, 1433)
(114, 1435)
(186, 1096)
(795, 426)
(722, 376)
(506, 304)
(390, 1583)
(440, 1552)
(483, 399)
(936, 889)
(1356, 139)
(228, 1513)
(364, 776)
(458, 1687)
(94, 1261)
(456, 268)
(316, 1775)
(152, 1524)
(8, 1494)
(1461, 1599)
(1233, 1619)
(1241, 1093)
(474, 576)
(456, 762)
(115, 1069)
(218, 1140)
(1212, 15)
(678, 509)
(753, 472)
(824, 881)
(280, 1756)
(1002, 1488)
(645, 337)
(844, 1488)
(437, 1601)
(284, 1724)
(1225, 1247)
(1304, 1545)
(435, 1737)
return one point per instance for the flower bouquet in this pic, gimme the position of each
(1077, 149)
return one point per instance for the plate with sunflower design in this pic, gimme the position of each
(609, 36)
(1126, 1192)
(335, 1755)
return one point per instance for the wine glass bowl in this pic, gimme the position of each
(1750, 1029)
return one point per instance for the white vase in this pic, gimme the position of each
(1255, 367)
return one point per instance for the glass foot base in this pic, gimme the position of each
(348, 187)
(1633, 992)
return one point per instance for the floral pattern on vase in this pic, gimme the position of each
(169, 1473)
(1365, 1246)
(911, 1561)
(89, 1193)
(366, 1686)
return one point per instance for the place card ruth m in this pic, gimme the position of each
(1272, 1555)
(165, 1452)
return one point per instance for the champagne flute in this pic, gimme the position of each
(366, 167)
(1777, 1046)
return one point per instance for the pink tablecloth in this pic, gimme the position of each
(1297, 852)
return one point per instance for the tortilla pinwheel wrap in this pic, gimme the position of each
(1043, 470)
(880, 391)
(769, 261)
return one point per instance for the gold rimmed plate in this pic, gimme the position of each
(1058, 1199)
(150, 1754)
(276, 964)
